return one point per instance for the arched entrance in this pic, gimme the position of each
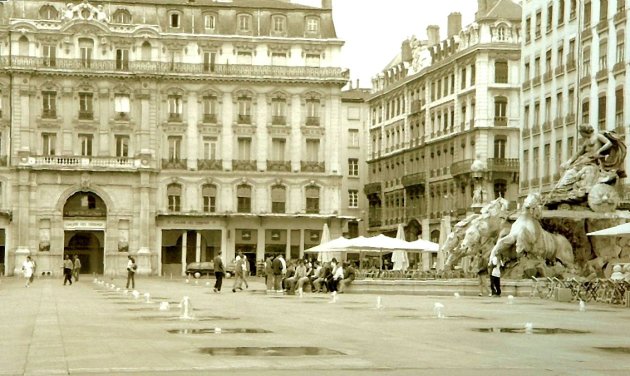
(84, 217)
(88, 247)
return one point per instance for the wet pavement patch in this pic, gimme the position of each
(530, 330)
(218, 331)
(269, 351)
(616, 350)
(194, 318)
(576, 309)
(155, 308)
(433, 317)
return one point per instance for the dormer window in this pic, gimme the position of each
(312, 25)
(244, 22)
(175, 20)
(48, 12)
(279, 24)
(122, 16)
(209, 21)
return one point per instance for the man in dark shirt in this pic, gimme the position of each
(276, 265)
(348, 276)
(219, 272)
(325, 275)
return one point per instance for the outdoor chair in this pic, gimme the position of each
(540, 288)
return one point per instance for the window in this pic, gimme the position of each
(49, 141)
(547, 160)
(548, 62)
(353, 198)
(500, 111)
(500, 188)
(244, 148)
(538, 23)
(278, 147)
(603, 10)
(525, 165)
(585, 111)
(278, 111)
(536, 115)
(586, 62)
(49, 104)
(587, 14)
(174, 148)
(209, 21)
(85, 106)
(560, 12)
(278, 199)
(620, 47)
(122, 16)
(312, 111)
(501, 72)
(603, 52)
(312, 150)
(571, 101)
(601, 113)
(244, 22)
(279, 58)
(85, 141)
(502, 33)
(536, 162)
(573, 6)
(621, 6)
(537, 66)
(209, 109)
(244, 58)
(244, 198)
(353, 137)
(549, 18)
(174, 20)
(499, 147)
(146, 51)
(560, 57)
(175, 107)
(559, 106)
(619, 108)
(353, 167)
(209, 60)
(49, 54)
(571, 54)
(526, 117)
(472, 74)
(244, 109)
(122, 59)
(313, 60)
(462, 83)
(527, 72)
(209, 196)
(121, 106)
(528, 28)
(312, 25)
(174, 196)
(547, 109)
(279, 24)
(48, 12)
(86, 46)
(312, 199)
(559, 157)
(23, 46)
(122, 146)
(209, 148)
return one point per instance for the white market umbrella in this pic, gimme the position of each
(399, 257)
(620, 230)
(426, 245)
(329, 255)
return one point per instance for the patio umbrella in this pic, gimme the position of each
(425, 245)
(620, 230)
(399, 257)
(329, 255)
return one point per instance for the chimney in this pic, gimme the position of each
(433, 34)
(405, 51)
(358, 87)
(326, 4)
(454, 24)
(484, 6)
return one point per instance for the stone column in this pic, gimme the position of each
(445, 230)
(261, 141)
(144, 250)
(192, 134)
(227, 137)
(198, 248)
(260, 243)
(426, 235)
(23, 225)
(184, 249)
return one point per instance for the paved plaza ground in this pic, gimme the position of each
(86, 328)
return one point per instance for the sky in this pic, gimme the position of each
(373, 30)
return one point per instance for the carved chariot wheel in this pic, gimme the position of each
(603, 198)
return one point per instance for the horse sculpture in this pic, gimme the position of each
(528, 239)
(475, 235)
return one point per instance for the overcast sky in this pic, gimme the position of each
(373, 30)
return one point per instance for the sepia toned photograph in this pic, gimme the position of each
(314, 187)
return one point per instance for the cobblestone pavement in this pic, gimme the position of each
(87, 328)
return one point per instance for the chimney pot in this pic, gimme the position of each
(454, 24)
(433, 34)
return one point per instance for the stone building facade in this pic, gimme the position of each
(168, 132)
(429, 122)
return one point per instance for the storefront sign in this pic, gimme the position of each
(84, 225)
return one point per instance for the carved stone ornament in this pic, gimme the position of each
(84, 11)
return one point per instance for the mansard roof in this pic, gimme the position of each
(502, 9)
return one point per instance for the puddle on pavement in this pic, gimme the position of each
(218, 331)
(616, 350)
(269, 351)
(154, 308)
(577, 310)
(530, 330)
(194, 318)
(433, 317)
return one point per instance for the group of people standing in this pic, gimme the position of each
(71, 268)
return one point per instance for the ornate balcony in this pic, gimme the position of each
(500, 121)
(418, 178)
(3, 161)
(570, 119)
(601, 74)
(547, 76)
(210, 164)
(49, 114)
(243, 165)
(602, 25)
(121, 116)
(306, 166)
(587, 33)
(193, 69)
(546, 126)
(174, 117)
(76, 162)
(210, 118)
(173, 164)
(619, 68)
(244, 119)
(372, 188)
(461, 167)
(281, 166)
(535, 130)
(86, 115)
(526, 132)
(312, 120)
(558, 122)
(524, 184)
(279, 120)
(570, 65)
(416, 104)
(503, 164)
(559, 70)
(620, 15)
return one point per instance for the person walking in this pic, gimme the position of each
(245, 270)
(276, 266)
(269, 273)
(238, 272)
(219, 272)
(67, 270)
(28, 266)
(131, 272)
(495, 276)
(76, 270)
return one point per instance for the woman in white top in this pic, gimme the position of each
(28, 266)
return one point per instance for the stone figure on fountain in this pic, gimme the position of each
(597, 165)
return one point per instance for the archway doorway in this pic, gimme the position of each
(87, 245)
